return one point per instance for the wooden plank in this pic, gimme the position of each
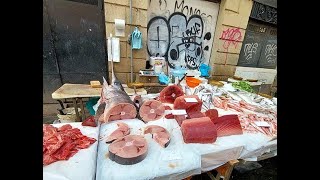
(83, 117)
(76, 90)
(224, 171)
(154, 84)
(76, 109)
(211, 176)
(85, 91)
(188, 178)
(140, 91)
(148, 79)
(231, 165)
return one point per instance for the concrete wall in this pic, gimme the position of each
(230, 31)
(227, 30)
(120, 9)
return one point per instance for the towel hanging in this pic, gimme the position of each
(136, 39)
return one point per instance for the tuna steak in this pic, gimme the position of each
(199, 130)
(130, 149)
(123, 130)
(170, 93)
(151, 110)
(159, 134)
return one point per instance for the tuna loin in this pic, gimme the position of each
(199, 130)
(159, 134)
(196, 115)
(151, 110)
(180, 118)
(190, 107)
(89, 122)
(128, 150)
(170, 93)
(123, 130)
(212, 114)
(228, 125)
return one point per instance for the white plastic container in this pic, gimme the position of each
(155, 60)
(157, 69)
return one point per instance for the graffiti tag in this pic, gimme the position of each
(231, 36)
(249, 50)
(271, 53)
(185, 9)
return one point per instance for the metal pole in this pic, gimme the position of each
(74, 100)
(131, 63)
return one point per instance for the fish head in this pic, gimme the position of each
(117, 84)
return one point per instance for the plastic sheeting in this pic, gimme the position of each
(246, 146)
(80, 166)
(179, 160)
(174, 162)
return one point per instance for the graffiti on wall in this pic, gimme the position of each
(249, 50)
(181, 34)
(271, 53)
(264, 12)
(230, 36)
(188, 10)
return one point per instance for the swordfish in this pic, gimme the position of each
(115, 104)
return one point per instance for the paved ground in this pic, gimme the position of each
(50, 112)
(268, 171)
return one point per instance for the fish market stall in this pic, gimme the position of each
(257, 117)
(177, 133)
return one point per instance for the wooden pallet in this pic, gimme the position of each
(224, 171)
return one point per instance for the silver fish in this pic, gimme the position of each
(187, 90)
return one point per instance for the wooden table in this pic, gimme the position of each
(78, 91)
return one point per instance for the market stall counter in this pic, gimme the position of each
(126, 151)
